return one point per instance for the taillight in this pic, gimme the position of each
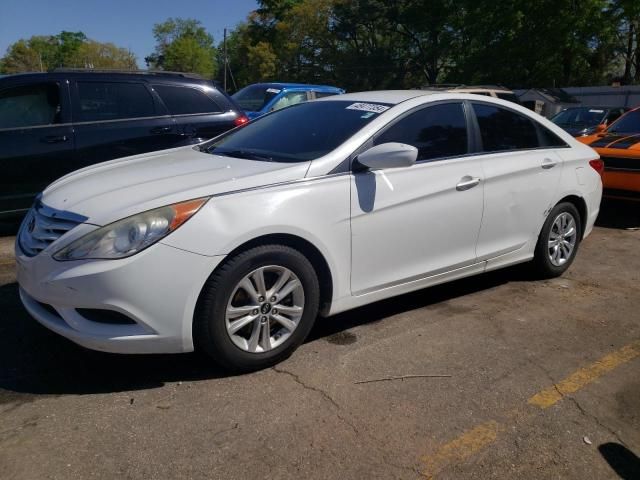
(241, 120)
(597, 165)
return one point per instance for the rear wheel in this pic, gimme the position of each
(558, 241)
(257, 308)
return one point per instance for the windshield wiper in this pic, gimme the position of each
(246, 154)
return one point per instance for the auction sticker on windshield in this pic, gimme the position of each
(368, 107)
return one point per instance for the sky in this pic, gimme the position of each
(128, 24)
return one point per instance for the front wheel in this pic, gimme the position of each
(558, 241)
(257, 308)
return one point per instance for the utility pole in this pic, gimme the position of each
(224, 43)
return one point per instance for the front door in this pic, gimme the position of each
(412, 223)
(36, 140)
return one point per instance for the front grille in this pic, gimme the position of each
(43, 225)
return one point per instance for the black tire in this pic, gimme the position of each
(542, 265)
(209, 329)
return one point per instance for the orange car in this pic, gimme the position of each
(619, 148)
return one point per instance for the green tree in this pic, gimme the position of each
(68, 49)
(183, 45)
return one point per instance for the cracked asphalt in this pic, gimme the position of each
(529, 379)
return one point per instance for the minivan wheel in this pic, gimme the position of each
(257, 308)
(558, 241)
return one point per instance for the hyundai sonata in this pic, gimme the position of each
(236, 245)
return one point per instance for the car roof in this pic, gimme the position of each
(102, 74)
(392, 97)
(284, 85)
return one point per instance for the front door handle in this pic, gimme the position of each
(161, 130)
(467, 182)
(548, 163)
(54, 139)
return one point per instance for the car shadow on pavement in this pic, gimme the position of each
(622, 460)
(35, 361)
(620, 214)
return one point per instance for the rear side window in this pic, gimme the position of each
(30, 106)
(114, 101)
(186, 100)
(503, 129)
(438, 131)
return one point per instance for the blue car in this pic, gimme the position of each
(260, 98)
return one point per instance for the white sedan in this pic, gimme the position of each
(236, 245)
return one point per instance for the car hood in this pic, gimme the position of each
(112, 190)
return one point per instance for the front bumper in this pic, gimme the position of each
(157, 289)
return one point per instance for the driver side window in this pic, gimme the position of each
(438, 131)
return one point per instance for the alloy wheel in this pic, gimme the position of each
(264, 309)
(562, 239)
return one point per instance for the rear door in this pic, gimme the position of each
(522, 173)
(197, 114)
(115, 119)
(36, 140)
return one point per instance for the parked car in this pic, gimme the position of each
(261, 98)
(54, 123)
(579, 121)
(234, 246)
(495, 91)
(619, 148)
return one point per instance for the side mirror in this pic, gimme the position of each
(389, 155)
(601, 128)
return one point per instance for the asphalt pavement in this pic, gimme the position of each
(492, 377)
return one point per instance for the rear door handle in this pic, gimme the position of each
(54, 138)
(161, 130)
(548, 163)
(467, 182)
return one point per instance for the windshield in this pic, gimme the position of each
(299, 133)
(580, 116)
(629, 123)
(254, 97)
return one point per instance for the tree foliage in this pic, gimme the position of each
(183, 45)
(67, 49)
(368, 44)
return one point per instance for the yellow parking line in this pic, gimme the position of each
(584, 376)
(474, 440)
(464, 446)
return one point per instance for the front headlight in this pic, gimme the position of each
(130, 235)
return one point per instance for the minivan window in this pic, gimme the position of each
(30, 105)
(114, 101)
(438, 131)
(186, 100)
(289, 136)
(502, 129)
